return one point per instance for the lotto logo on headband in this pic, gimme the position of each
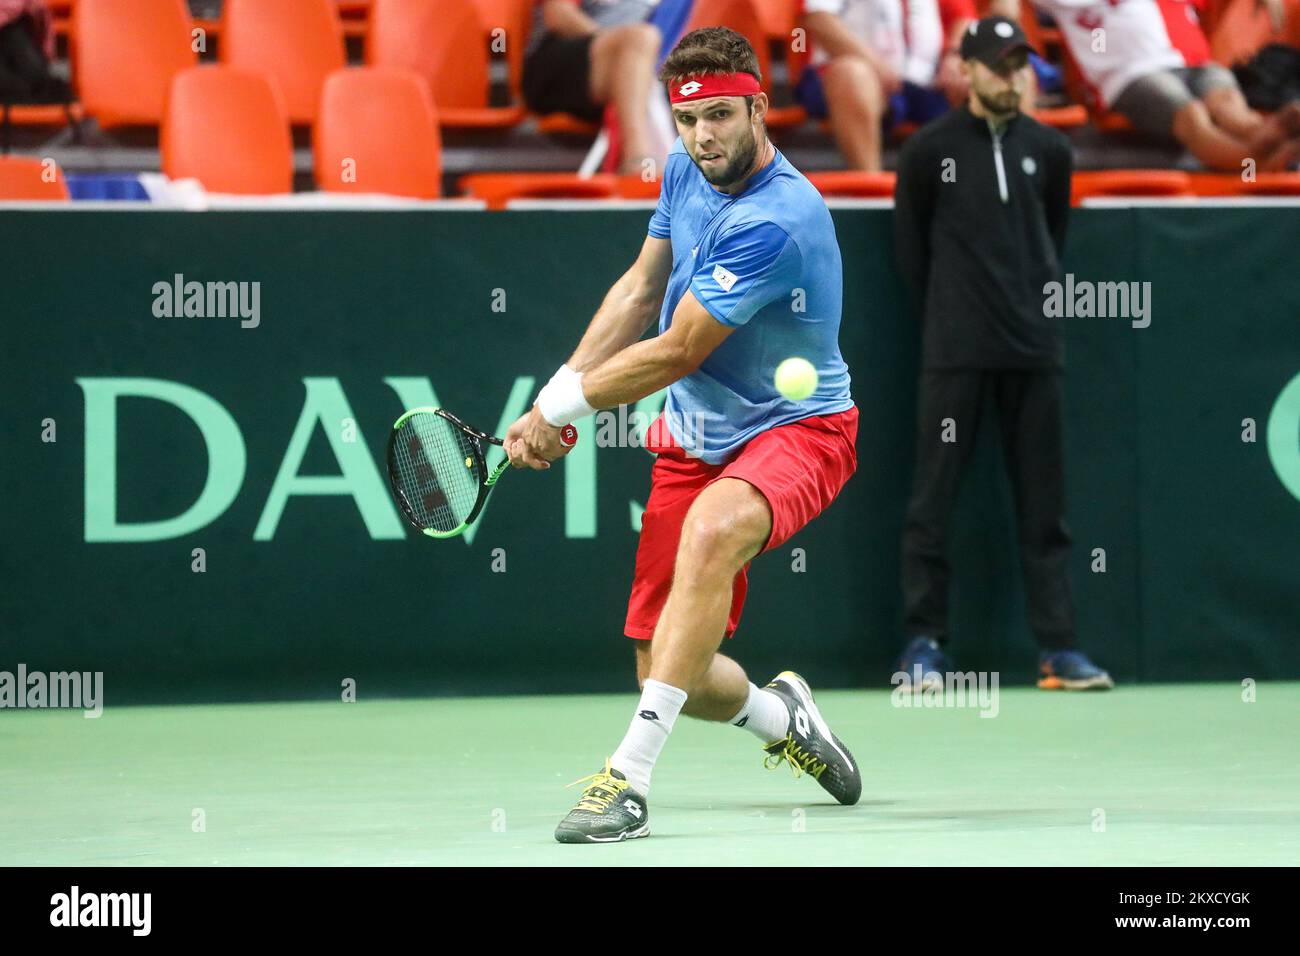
(715, 84)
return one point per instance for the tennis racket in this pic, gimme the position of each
(437, 470)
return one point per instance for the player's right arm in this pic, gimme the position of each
(630, 307)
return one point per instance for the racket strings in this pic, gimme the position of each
(437, 472)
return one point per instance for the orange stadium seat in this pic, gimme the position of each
(515, 18)
(125, 54)
(779, 17)
(297, 43)
(41, 114)
(634, 187)
(1088, 184)
(1231, 184)
(227, 128)
(566, 124)
(447, 44)
(743, 17)
(25, 178)
(851, 183)
(382, 122)
(1062, 117)
(497, 189)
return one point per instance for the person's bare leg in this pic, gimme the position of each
(725, 527)
(1212, 145)
(857, 105)
(718, 695)
(1264, 135)
(1229, 110)
(623, 73)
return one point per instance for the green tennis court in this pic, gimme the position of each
(1165, 774)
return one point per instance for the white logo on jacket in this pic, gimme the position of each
(724, 278)
(1029, 166)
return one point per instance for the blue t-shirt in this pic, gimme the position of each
(766, 261)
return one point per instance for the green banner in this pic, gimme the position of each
(196, 408)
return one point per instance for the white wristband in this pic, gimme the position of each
(561, 401)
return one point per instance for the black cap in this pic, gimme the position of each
(991, 39)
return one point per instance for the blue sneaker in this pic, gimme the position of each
(1071, 670)
(922, 665)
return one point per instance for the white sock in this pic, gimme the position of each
(655, 715)
(764, 715)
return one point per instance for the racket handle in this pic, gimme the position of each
(568, 436)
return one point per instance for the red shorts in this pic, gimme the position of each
(799, 468)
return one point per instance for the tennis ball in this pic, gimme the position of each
(796, 379)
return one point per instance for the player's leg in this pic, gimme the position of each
(718, 696)
(730, 522)
(623, 74)
(856, 103)
(777, 484)
(718, 526)
(727, 523)
(726, 526)
(613, 807)
(798, 469)
(726, 695)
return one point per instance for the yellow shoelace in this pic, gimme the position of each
(601, 792)
(800, 760)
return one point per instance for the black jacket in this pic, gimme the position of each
(977, 243)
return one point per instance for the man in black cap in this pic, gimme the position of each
(979, 221)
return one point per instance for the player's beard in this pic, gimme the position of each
(1002, 103)
(738, 168)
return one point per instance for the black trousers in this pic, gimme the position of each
(1029, 412)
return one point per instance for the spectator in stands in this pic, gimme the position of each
(957, 16)
(1149, 60)
(872, 60)
(26, 46)
(584, 54)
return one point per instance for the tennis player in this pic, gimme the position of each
(742, 268)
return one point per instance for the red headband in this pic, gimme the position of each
(716, 84)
